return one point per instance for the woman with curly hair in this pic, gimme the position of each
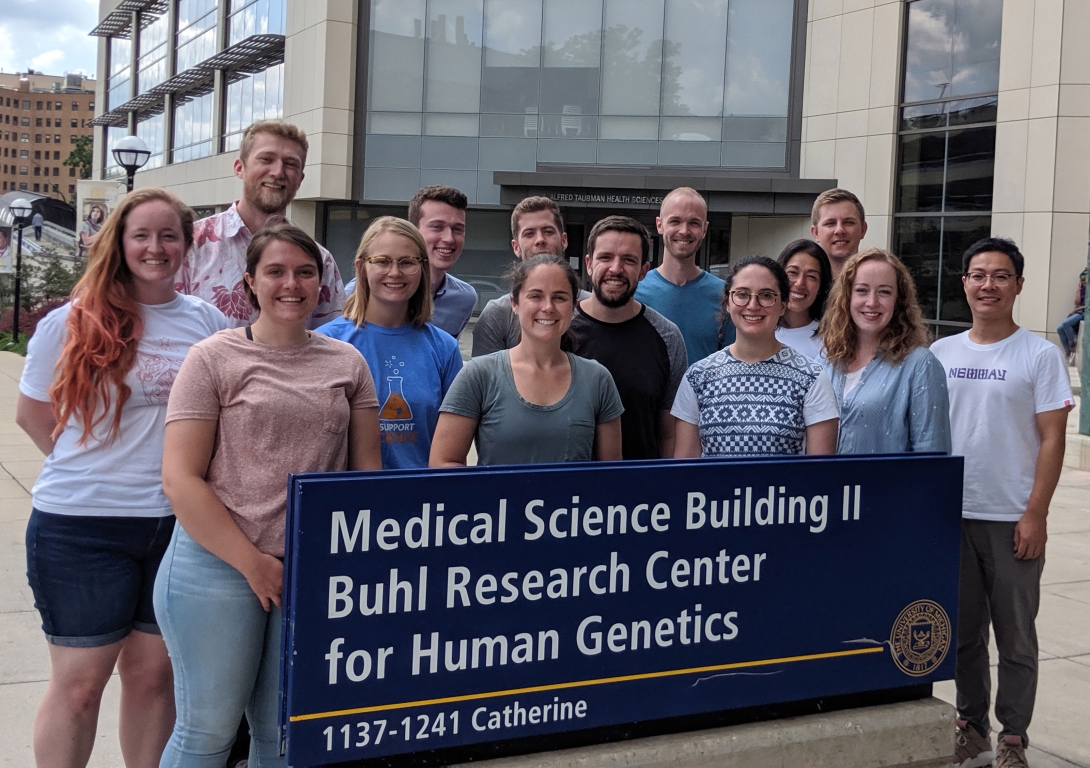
(93, 397)
(890, 388)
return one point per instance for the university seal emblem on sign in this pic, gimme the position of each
(920, 638)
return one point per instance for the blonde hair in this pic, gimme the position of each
(835, 195)
(420, 303)
(281, 128)
(905, 331)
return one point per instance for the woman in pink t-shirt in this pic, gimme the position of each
(250, 406)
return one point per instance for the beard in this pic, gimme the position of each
(613, 302)
(269, 201)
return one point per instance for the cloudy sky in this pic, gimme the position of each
(49, 36)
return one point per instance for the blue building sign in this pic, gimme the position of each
(435, 609)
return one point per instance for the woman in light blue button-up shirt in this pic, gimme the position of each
(890, 388)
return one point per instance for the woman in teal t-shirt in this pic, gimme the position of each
(386, 319)
(535, 402)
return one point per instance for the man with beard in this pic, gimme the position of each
(679, 289)
(270, 163)
(838, 225)
(643, 350)
(536, 227)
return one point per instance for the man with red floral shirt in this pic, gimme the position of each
(270, 164)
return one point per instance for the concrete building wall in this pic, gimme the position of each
(850, 99)
(766, 235)
(1042, 169)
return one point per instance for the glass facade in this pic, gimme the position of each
(458, 89)
(119, 82)
(193, 131)
(946, 163)
(253, 98)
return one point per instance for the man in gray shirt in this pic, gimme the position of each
(536, 227)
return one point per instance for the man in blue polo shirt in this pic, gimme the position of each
(439, 213)
(680, 290)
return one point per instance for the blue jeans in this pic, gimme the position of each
(1068, 329)
(226, 654)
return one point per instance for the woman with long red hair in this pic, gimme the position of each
(93, 397)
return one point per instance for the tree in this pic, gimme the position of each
(82, 156)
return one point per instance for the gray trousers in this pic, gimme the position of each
(999, 590)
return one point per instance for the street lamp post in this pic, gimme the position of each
(131, 153)
(20, 212)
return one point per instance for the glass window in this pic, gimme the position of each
(255, 17)
(114, 134)
(571, 56)
(758, 71)
(119, 82)
(397, 56)
(192, 129)
(632, 57)
(931, 248)
(694, 54)
(196, 38)
(255, 97)
(953, 48)
(150, 129)
(512, 56)
(151, 68)
(453, 79)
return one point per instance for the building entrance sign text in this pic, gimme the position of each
(434, 609)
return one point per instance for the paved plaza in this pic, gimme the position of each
(1063, 700)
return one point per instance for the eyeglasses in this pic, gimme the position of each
(764, 298)
(1001, 279)
(409, 266)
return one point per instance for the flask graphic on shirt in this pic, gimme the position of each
(396, 408)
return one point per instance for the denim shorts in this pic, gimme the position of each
(93, 577)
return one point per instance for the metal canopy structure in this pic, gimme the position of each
(119, 21)
(254, 54)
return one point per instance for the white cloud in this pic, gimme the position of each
(49, 35)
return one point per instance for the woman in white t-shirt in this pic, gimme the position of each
(890, 388)
(809, 277)
(93, 397)
(757, 397)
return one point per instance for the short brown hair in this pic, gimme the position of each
(533, 205)
(905, 331)
(284, 232)
(621, 224)
(449, 195)
(281, 128)
(420, 303)
(835, 195)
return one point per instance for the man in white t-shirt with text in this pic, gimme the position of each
(1009, 398)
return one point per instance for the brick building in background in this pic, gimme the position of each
(40, 118)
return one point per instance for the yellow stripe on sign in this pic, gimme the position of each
(584, 683)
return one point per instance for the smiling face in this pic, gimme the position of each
(990, 301)
(272, 173)
(753, 320)
(394, 287)
(873, 298)
(538, 233)
(839, 230)
(545, 304)
(444, 229)
(153, 244)
(804, 275)
(616, 267)
(286, 283)
(682, 222)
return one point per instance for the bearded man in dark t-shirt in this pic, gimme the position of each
(643, 350)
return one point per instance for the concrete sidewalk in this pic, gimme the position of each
(1063, 699)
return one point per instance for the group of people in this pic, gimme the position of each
(199, 363)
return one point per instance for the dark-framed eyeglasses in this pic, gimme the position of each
(741, 298)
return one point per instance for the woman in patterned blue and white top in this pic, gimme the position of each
(757, 397)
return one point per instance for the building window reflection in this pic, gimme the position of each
(255, 17)
(119, 81)
(196, 37)
(192, 128)
(613, 82)
(254, 97)
(150, 129)
(152, 64)
(946, 148)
